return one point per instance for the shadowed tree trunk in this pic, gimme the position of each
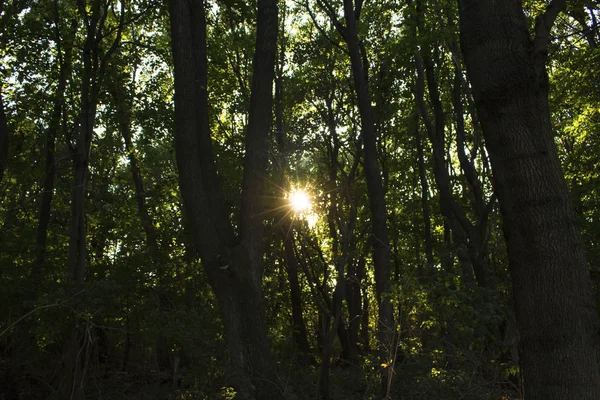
(555, 309)
(64, 67)
(233, 263)
(3, 125)
(469, 237)
(424, 200)
(380, 237)
(3, 139)
(95, 62)
(375, 190)
(123, 102)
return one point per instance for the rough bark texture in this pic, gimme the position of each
(234, 265)
(556, 314)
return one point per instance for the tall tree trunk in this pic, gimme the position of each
(123, 105)
(470, 243)
(64, 67)
(364, 321)
(380, 237)
(75, 353)
(424, 198)
(354, 301)
(93, 70)
(124, 121)
(467, 234)
(3, 128)
(300, 335)
(554, 303)
(3, 139)
(233, 265)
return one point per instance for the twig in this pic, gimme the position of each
(36, 309)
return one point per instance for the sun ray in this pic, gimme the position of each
(299, 201)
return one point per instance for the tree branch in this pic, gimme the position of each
(543, 26)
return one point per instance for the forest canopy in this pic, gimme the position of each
(335, 199)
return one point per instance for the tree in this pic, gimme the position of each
(3, 123)
(54, 127)
(3, 139)
(184, 285)
(376, 193)
(233, 263)
(95, 61)
(554, 304)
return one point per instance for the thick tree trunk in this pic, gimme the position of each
(242, 311)
(234, 265)
(554, 304)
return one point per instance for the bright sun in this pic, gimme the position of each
(299, 201)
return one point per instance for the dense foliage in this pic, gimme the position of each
(87, 88)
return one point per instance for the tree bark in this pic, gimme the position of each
(234, 265)
(554, 304)
(3, 139)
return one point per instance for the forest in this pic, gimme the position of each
(299, 199)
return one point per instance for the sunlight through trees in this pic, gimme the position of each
(315, 199)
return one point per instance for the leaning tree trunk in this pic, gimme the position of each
(555, 309)
(234, 264)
